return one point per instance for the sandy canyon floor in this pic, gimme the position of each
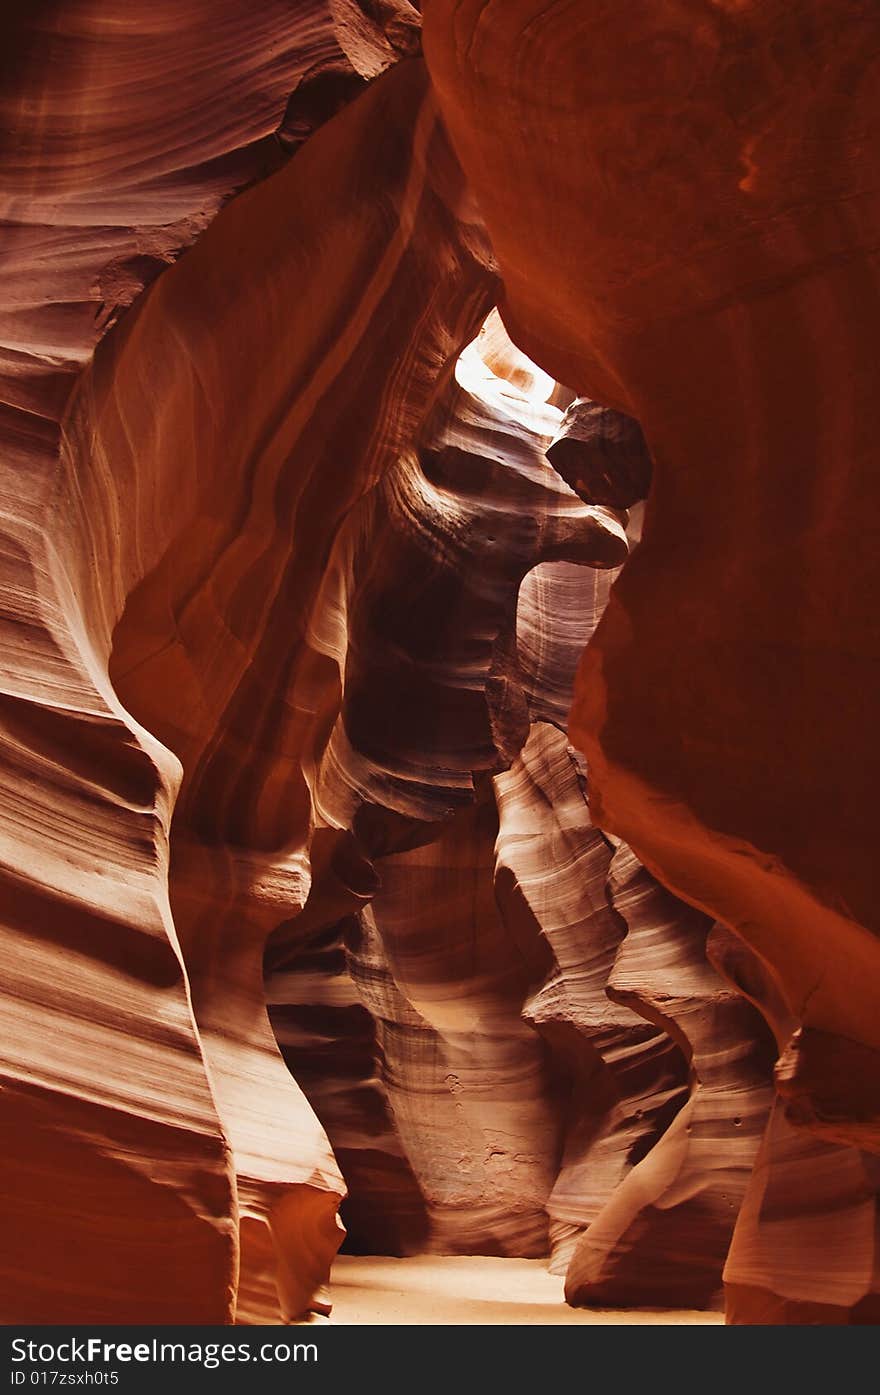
(448, 1290)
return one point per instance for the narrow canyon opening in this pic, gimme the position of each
(474, 997)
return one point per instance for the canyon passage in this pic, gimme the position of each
(439, 596)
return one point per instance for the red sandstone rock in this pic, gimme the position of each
(166, 549)
(292, 610)
(709, 268)
(602, 454)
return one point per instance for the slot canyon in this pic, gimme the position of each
(440, 613)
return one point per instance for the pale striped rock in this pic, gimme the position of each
(626, 1077)
(664, 1235)
(176, 548)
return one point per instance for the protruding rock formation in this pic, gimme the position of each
(602, 454)
(804, 1247)
(477, 1112)
(665, 1233)
(626, 1077)
(330, 1043)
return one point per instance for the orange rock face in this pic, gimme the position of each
(695, 244)
(319, 897)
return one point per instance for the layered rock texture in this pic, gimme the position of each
(410, 837)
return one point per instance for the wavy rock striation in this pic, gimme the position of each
(170, 548)
(308, 903)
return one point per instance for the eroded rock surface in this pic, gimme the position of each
(317, 892)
